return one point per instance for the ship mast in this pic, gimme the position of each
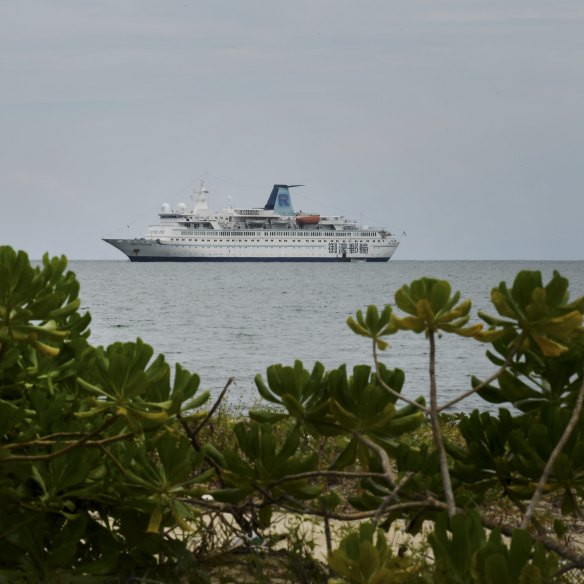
(201, 203)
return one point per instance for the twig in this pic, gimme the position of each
(393, 392)
(192, 433)
(564, 570)
(116, 462)
(47, 440)
(483, 384)
(436, 432)
(214, 408)
(385, 462)
(576, 559)
(68, 448)
(390, 498)
(327, 533)
(553, 457)
(550, 544)
(315, 474)
(300, 507)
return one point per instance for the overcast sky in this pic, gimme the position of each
(460, 123)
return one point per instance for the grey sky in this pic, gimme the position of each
(458, 122)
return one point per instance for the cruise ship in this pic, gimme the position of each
(272, 233)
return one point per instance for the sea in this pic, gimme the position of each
(224, 320)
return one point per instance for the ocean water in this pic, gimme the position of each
(234, 320)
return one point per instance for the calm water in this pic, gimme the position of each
(224, 320)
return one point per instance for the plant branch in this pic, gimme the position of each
(393, 392)
(87, 443)
(390, 498)
(214, 408)
(65, 450)
(116, 462)
(385, 462)
(484, 383)
(315, 474)
(327, 533)
(564, 570)
(436, 432)
(300, 507)
(576, 559)
(553, 457)
(192, 433)
(48, 439)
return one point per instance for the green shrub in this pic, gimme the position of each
(110, 471)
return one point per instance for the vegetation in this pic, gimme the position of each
(111, 471)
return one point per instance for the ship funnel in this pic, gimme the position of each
(279, 200)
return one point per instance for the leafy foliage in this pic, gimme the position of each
(465, 554)
(105, 474)
(364, 557)
(548, 321)
(92, 468)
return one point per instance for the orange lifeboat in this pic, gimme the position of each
(306, 219)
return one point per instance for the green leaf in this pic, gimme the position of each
(197, 402)
(232, 495)
(404, 300)
(560, 528)
(155, 520)
(402, 424)
(372, 318)
(557, 290)
(563, 468)
(289, 447)
(264, 391)
(267, 416)
(265, 516)
(523, 286)
(439, 295)
(357, 328)
(519, 553)
(496, 570)
(347, 456)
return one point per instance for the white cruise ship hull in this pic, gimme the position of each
(260, 249)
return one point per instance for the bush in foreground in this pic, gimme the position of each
(110, 471)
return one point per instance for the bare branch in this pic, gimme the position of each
(315, 474)
(393, 392)
(564, 570)
(301, 507)
(485, 383)
(553, 457)
(48, 440)
(390, 498)
(327, 533)
(116, 462)
(576, 559)
(65, 450)
(436, 432)
(385, 462)
(192, 433)
(214, 408)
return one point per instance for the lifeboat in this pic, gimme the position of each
(306, 219)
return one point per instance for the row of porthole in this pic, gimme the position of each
(265, 247)
(279, 241)
(277, 250)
